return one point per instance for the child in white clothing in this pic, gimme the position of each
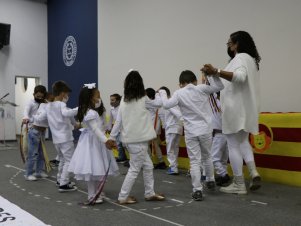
(193, 102)
(91, 158)
(219, 149)
(32, 106)
(173, 132)
(115, 102)
(156, 119)
(61, 123)
(135, 125)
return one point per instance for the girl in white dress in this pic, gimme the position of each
(91, 158)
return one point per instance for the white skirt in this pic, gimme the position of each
(91, 159)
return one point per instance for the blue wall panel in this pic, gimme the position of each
(77, 18)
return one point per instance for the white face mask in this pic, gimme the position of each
(97, 104)
(65, 99)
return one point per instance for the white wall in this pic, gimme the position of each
(27, 53)
(162, 38)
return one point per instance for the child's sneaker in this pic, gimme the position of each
(30, 178)
(70, 183)
(188, 174)
(197, 196)
(54, 163)
(156, 197)
(222, 181)
(172, 172)
(41, 175)
(126, 163)
(99, 200)
(210, 185)
(67, 188)
(128, 200)
(121, 161)
(255, 183)
(160, 165)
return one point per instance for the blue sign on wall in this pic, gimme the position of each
(72, 44)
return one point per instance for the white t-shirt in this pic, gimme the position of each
(113, 116)
(172, 120)
(30, 110)
(42, 122)
(60, 121)
(194, 105)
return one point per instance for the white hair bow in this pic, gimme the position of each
(131, 70)
(90, 85)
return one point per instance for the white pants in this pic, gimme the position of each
(172, 149)
(199, 153)
(65, 152)
(220, 154)
(239, 150)
(139, 158)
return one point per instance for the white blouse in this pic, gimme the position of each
(240, 98)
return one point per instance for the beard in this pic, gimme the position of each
(230, 53)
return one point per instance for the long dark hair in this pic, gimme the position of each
(85, 103)
(246, 44)
(101, 109)
(133, 86)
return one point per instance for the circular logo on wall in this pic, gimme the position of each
(69, 51)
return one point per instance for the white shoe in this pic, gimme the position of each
(30, 178)
(99, 200)
(41, 175)
(235, 188)
(71, 183)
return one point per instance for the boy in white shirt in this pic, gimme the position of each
(219, 149)
(32, 106)
(173, 132)
(60, 119)
(193, 102)
(156, 112)
(115, 102)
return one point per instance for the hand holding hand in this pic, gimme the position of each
(110, 144)
(25, 121)
(208, 69)
(77, 125)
